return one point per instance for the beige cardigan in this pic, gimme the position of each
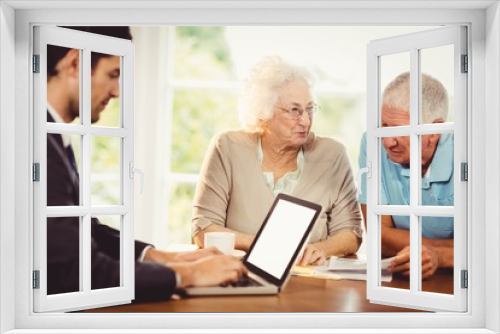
(233, 193)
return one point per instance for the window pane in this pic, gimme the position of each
(401, 273)
(63, 163)
(70, 113)
(437, 245)
(395, 100)
(202, 53)
(395, 171)
(199, 114)
(342, 118)
(76, 141)
(438, 82)
(437, 169)
(105, 88)
(105, 171)
(180, 211)
(64, 259)
(113, 250)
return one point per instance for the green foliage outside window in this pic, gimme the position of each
(199, 114)
(342, 118)
(202, 53)
(179, 212)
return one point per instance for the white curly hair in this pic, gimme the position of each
(260, 89)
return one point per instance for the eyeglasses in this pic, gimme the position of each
(297, 112)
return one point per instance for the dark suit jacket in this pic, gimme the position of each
(152, 281)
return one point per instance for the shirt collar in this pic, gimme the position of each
(58, 119)
(441, 167)
(443, 159)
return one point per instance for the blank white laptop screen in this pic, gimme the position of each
(279, 238)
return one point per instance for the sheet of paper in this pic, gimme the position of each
(310, 271)
(348, 263)
(344, 268)
(354, 269)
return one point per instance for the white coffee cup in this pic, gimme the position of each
(223, 241)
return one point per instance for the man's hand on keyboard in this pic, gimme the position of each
(163, 257)
(209, 271)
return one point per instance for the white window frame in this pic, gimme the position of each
(86, 43)
(413, 44)
(483, 21)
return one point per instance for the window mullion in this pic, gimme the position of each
(85, 194)
(373, 192)
(406, 210)
(127, 266)
(415, 180)
(421, 129)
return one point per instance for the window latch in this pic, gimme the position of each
(368, 171)
(133, 170)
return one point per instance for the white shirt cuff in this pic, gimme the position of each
(178, 277)
(143, 254)
(178, 280)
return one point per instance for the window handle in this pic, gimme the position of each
(368, 171)
(133, 170)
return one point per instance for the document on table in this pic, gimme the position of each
(310, 271)
(344, 268)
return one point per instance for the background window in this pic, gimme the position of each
(196, 73)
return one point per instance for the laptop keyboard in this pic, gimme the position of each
(244, 281)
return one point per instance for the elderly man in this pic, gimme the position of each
(157, 273)
(437, 176)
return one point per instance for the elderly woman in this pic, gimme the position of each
(244, 170)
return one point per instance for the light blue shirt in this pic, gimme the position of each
(437, 187)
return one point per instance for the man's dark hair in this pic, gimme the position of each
(56, 53)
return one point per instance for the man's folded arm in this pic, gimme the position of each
(444, 249)
(395, 239)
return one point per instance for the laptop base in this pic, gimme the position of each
(229, 290)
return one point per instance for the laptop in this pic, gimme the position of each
(274, 249)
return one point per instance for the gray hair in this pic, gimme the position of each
(260, 89)
(434, 97)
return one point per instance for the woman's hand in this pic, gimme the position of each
(312, 256)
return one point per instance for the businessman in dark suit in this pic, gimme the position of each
(157, 273)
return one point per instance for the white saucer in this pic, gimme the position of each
(239, 253)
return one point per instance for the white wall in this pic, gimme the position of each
(7, 160)
(492, 162)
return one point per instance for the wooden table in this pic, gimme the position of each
(302, 294)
